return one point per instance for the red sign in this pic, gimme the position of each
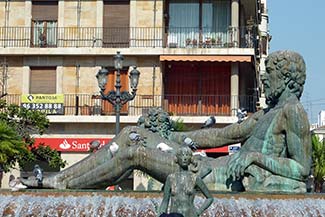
(71, 144)
(223, 149)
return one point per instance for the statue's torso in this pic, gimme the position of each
(268, 136)
(182, 193)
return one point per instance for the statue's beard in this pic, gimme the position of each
(272, 96)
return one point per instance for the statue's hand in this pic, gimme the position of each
(238, 163)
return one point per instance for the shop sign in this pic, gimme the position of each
(71, 144)
(47, 103)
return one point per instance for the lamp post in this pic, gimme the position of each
(116, 97)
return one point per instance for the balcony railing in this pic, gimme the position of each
(181, 105)
(144, 37)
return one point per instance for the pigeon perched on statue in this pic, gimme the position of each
(114, 148)
(94, 145)
(241, 114)
(15, 184)
(209, 122)
(136, 139)
(164, 147)
(38, 173)
(190, 143)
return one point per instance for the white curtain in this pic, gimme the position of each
(216, 16)
(51, 33)
(183, 21)
(44, 36)
(38, 30)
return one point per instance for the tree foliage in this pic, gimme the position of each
(179, 125)
(17, 125)
(12, 147)
(318, 161)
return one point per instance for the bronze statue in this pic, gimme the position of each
(275, 153)
(180, 187)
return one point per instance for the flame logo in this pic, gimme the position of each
(65, 145)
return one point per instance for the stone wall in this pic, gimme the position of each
(67, 68)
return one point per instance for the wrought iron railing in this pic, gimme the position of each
(120, 37)
(184, 105)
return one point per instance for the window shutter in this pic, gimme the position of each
(116, 13)
(116, 23)
(45, 10)
(43, 80)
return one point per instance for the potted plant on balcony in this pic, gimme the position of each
(213, 42)
(208, 42)
(219, 42)
(188, 42)
(194, 43)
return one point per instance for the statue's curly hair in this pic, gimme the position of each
(291, 68)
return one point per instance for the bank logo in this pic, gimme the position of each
(65, 145)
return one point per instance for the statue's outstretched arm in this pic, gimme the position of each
(217, 137)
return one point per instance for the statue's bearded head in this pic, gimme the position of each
(285, 70)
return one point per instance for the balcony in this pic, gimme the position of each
(178, 105)
(126, 37)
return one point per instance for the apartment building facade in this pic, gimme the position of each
(197, 58)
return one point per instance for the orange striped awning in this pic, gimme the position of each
(206, 58)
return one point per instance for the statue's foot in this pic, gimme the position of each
(47, 182)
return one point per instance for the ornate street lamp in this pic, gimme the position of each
(116, 97)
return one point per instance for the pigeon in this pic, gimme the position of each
(94, 145)
(209, 122)
(114, 148)
(189, 142)
(38, 173)
(134, 137)
(164, 147)
(241, 114)
(15, 184)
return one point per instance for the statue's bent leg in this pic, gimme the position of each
(104, 168)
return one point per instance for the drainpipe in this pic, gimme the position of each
(153, 84)
(77, 88)
(4, 77)
(78, 18)
(7, 6)
(154, 22)
(78, 13)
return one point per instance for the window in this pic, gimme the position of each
(116, 23)
(198, 20)
(184, 92)
(42, 80)
(44, 23)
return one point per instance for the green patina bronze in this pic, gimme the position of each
(180, 187)
(275, 153)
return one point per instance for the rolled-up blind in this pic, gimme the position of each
(44, 10)
(43, 80)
